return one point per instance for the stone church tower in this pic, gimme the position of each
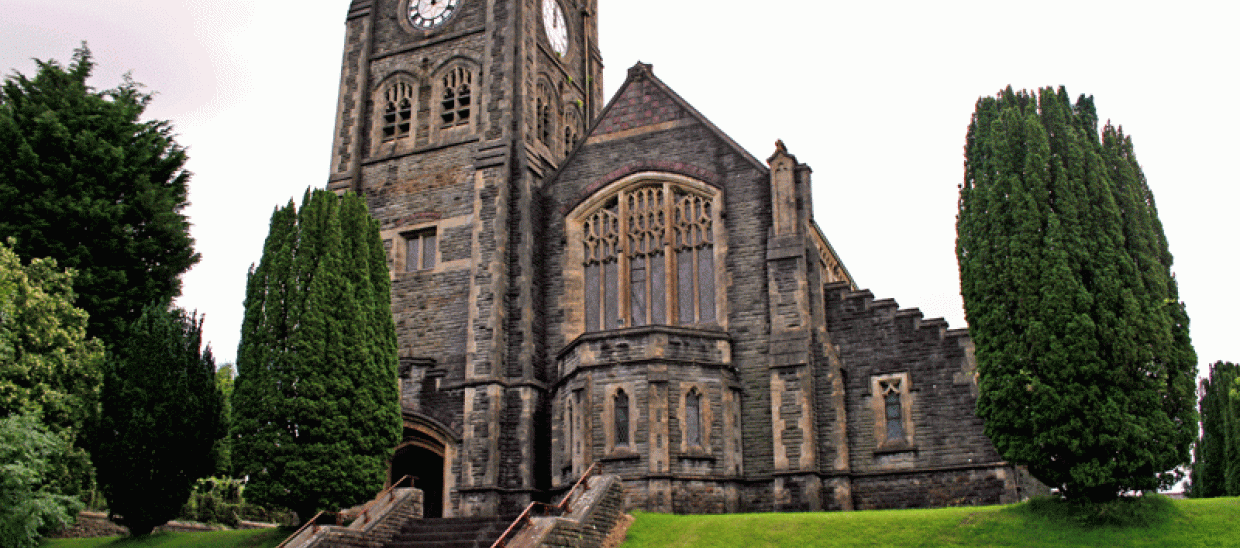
(621, 285)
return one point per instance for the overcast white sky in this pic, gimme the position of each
(875, 96)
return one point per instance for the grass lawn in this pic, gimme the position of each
(1208, 522)
(254, 538)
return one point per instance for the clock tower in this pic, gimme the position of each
(451, 114)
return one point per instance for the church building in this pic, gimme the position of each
(580, 281)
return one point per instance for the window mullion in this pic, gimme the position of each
(623, 304)
(697, 301)
(671, 283)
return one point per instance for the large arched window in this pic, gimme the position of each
(649, 257)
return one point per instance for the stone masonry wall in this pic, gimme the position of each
(946, 443)
(934, 489)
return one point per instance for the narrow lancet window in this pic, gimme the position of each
(894, 410)
(622, 418)
(693, 418)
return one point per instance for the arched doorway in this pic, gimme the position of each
(426, 453)
(426, 466)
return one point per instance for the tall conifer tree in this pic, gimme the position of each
(316, 410)
(1213, 459)
(161, 416)
(84, 180)
(1086, 370)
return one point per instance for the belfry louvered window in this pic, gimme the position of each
(649, 258)
(457, 98)
(398, 111)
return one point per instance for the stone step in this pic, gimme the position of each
(474, 532)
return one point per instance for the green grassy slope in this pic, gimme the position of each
(259, 538)
(1211, 522)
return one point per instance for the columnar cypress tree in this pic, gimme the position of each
(316, 411)
(1213, 460)
(161, 416)
(1084, 361)
(1231, 440)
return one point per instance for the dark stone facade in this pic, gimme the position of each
(731, 366)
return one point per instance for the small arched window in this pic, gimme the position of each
(893, 409)
(457, 100)
(569, 426)
(693, 418)
(649, 258)
(572, 127)
(545, 115)
(398, 111)
(621, 411)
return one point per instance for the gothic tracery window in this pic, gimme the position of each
(649, 258)
(398, 111)
(891, 405)
(455, 106)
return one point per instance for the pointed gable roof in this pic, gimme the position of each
(644, 103)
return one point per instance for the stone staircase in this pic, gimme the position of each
(479, 532)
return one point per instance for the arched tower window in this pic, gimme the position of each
(693, 418)
(649, 258)
(572, 128)
(544, 111)
(398, 100)
(621, 412)
(455, 105)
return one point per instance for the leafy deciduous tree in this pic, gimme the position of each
(1086, 369)
(223, 446)
(48, 367)
(316, 409)
(29, 505)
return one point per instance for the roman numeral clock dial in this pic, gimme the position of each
(430, 14)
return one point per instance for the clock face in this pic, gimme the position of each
(557, 29)
(429, 14)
